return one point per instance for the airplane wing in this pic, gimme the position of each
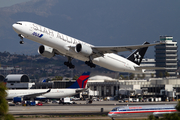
(99, 51)
(150, 68)
(35, 94)
(115, 49)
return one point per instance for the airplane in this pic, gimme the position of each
(75, 88)
(156, 110)
(55, 43)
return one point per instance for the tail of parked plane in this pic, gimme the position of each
(138, 55)
(81, 81)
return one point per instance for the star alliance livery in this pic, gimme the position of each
(75, 88)
(55, 43)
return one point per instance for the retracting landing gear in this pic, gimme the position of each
(21, 36)
(90, 63)
(69, 64)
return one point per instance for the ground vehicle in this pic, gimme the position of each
(121, 101)
(127, 100)
(28, 103)
(39, 104)
(66, 101)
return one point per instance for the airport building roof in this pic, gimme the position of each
(17, 78)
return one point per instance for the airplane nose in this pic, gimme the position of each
(14, 26)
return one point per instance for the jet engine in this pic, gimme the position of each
(84, 49)
(46, 51)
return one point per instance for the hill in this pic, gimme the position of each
(36, 66)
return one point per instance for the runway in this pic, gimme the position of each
(96, 108)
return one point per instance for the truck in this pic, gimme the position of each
(66, 101)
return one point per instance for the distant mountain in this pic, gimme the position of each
(104, 22)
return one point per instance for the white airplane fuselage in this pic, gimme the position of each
(60, 42)
(54, 93)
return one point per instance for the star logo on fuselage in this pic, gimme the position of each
(137, 57)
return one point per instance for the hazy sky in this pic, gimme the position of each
(6, 3)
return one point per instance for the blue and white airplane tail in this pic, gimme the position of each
(81, 81)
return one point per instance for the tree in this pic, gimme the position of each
(57, 78)
(152, 75)
(166, 74)
(131, 76)
(143, 75)
(138, 76)
(121, 77)
(75, 77)
(3, 104)
(160, 74)
(178, 106)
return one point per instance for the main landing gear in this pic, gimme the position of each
(21, 36)
(90, 64)
(69, 64)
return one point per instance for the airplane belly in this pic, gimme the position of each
(113, 63)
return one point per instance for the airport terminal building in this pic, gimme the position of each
(135, 88)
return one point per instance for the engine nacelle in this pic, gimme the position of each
(17, 99)
(83, 49)
(46, 51)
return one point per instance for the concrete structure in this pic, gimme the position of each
(133, 88)
(166, 56)
(148, 63)
(18, 81)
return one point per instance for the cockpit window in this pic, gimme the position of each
(115, 109)
(19, 23)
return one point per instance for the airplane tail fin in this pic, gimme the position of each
(81, 81)
(138, 54)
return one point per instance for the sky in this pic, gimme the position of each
(110, 23)
(6, 3)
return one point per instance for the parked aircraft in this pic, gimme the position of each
(55, 43)
(77, 87)
(156, 110)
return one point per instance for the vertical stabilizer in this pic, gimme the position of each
(81, 81)
(138, 55)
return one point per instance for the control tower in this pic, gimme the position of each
(166, 56)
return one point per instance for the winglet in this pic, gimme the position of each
(81, 81)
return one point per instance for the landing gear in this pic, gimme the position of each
(21, 36)
(90, 63)
(69, 64)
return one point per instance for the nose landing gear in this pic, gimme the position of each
(21, 37)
